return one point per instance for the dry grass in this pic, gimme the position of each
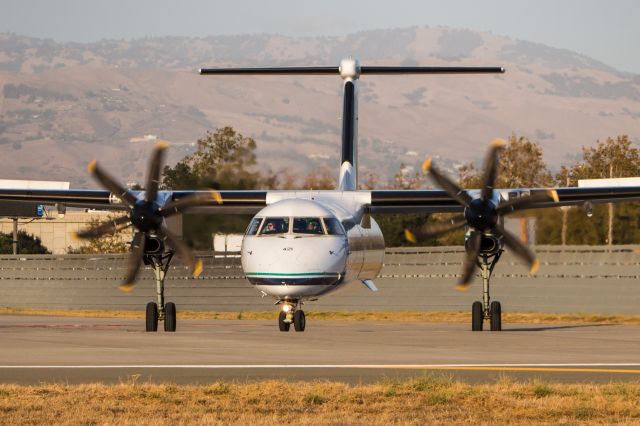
(416, 316)
(426, 400)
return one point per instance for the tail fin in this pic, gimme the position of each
(350, 71)
(348, 168)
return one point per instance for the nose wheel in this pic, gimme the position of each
(160, 311)
(487, 310)
(290, 314)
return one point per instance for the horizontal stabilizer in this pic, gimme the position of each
(374, 70)
(271, 71)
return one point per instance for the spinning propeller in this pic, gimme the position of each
(147, 216)
(482, 215)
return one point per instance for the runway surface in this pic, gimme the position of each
(81, 350)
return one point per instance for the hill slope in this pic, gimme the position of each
(63, 104)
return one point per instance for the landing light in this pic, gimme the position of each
(286, 308)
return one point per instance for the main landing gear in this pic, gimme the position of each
(160, 311)
(291, 314)
(487, 310)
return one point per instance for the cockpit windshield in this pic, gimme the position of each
(333, 226)
(253, 227)
(307, 225)
(275, 225)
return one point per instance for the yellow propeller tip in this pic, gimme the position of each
(197, 270)
(554, 195)
(534, 267)
(409, 236)
(426, 165)
(463, 287)
(498, 143)
(91, 167)
(162, 144)
(126, 288)
(216, 196)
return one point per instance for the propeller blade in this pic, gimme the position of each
(110, 227)
(410, 236)
(529, 202)
(195, 200)
(111, 184)
(133, 263)
(491, 168)
(182, 250)
(153, 174)
(519, 249)
(470, 261)
(445, 183)
(437, 229)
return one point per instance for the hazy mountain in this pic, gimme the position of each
(63, 104)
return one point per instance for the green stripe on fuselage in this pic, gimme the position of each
(301, 274)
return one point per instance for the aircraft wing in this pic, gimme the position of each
(438, 201)
(231, 202)
(381, 201)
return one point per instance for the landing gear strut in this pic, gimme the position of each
(487, 310)
(291, 314)
(160, 311)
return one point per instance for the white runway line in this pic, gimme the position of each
(320, 366)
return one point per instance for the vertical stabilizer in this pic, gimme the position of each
(350, 72)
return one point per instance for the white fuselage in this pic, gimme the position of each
(293, 264)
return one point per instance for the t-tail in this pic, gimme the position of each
(350, 71)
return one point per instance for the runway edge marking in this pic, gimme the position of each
(551, 368)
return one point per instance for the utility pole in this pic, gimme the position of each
(565, 213)
(610, 234)
(15, 235)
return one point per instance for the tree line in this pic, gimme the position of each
(225, 159)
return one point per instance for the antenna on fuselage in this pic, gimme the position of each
(350, 71)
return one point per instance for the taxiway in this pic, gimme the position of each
(79, 350)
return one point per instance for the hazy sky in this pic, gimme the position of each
(608, 31)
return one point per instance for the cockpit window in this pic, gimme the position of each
(333, 226)
(307, 225)
(254, 226)
(275, 225)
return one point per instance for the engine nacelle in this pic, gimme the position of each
(153, 245)
(489, 244)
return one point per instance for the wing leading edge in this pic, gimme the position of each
(231, 202)
(381, 201)
(437, 201)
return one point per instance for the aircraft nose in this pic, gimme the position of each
(296, 261)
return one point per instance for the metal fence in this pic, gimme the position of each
(591, 279)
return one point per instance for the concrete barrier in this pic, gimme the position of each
(590, 279)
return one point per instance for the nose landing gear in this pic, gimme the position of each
(160, 311)
(487, 310)
(291, 314)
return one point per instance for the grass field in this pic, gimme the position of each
(428, 399)
(417, 316)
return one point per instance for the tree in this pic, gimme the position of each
(224, 159)
(27, 244)
(520, 166)
(612, 158)
(108, 243)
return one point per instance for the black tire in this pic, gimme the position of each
(299, 321)
(496, 316)
(170, 317)
(152, 316)
(284, 326)
(477, 315)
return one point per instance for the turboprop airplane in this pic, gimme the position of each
(301, 245)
